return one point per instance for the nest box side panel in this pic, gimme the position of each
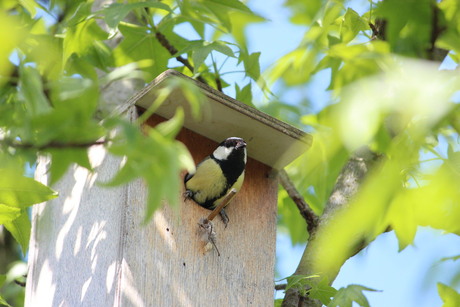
(165, 263)
(75, 239)
(75, 246)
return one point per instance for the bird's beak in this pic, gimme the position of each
(240, 144)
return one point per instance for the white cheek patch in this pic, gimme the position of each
(222, 152)
(245, 156)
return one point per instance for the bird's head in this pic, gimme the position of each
(228, 146)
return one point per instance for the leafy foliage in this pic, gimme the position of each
(404, 110)
(12, 293)
(2, 300)
(16, 194)
(312, 286)
(318, 288)
(449, 296)
(51, 103)
(57, 58)
(352, 293)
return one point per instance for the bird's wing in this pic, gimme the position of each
(190, 175)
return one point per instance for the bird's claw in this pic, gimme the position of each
(224, 217)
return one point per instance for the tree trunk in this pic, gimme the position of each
(347, 185)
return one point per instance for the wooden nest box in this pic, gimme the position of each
(89, 247)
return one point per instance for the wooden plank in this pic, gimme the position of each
(89, 247)
(165, 264)
(271, 141)
(76, 244)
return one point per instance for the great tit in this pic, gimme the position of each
(217, 175)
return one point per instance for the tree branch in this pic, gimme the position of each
(432, 52)
(280, 287)
(50, 145)
(347, 185)
(310, 217)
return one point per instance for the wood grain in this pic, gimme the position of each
(172, 258)
(89, 247)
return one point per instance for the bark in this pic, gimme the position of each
(307, 213)
(347, 185)
(354, 172)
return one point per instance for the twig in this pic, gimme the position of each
(219, 84)
(280, 287)
(216, 71)
(310, 217)
(50, 145)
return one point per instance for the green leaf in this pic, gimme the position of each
(129, 71)
(171, 127)
(403, 219)
(231, 4)
(201, 53)
(244, 94)
(65, 157)
(453, 258)
(295, 67)
(299, 281)
(222, 47)
(352, 293)
(303, 12)
(352, 25)
(252, 66)
(80, 37)
(2, 300)
(240, 21)
(289, 220)
(201, 49)
(450, 36)
(313, 287)
(19, 191)
(8, 213)
(322, 291)
(29, 5)
(32, 91)
(138, 44)
(407, 30)
(449, 296)
(116, 12)
(20, 229)
(12, 32)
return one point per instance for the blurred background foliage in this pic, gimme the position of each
(387, 93)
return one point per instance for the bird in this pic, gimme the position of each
(217, 175)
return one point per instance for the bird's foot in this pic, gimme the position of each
(224, 217)
(187, 195)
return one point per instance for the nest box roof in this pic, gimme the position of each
(269, 140)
